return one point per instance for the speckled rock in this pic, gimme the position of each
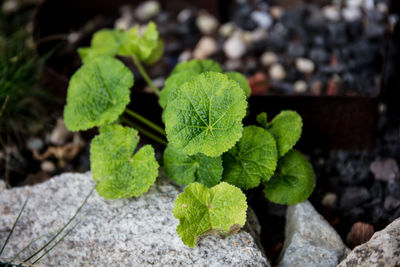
(131, 232)
(2, 185)
(309, 239)
(383, 249)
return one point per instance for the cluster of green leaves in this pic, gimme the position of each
(203, 112)
(98, 94)
(208, 147)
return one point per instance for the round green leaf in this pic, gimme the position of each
(97, 94)
(205, 115)
(254, 157)
(262, 119)
(294, 180)
(220, 210)
(119, 172)
(173, 82)
(198, 66)
(286, 129)
(241, 80)
(185, 169)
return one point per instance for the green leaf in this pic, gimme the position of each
(97, 94)
(140, 46)
(205, 115)
(286, 129)
(294, 180)
(262, 119)
(119, 172)
(220, 211)
(241, 80)
(173, 82)
(198, 66)
(254, 157)
(105, 42)
(156, 54)
(185, 169)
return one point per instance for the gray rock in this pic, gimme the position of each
(385, 169)
(130, 232)
(263, 19)
(3, 186)
(381, 250)
(309, 239)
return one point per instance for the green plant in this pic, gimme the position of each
(208, 147)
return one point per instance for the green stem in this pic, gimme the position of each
(145, 76)
(145, 121)
(145, 132)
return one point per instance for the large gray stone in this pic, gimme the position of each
(134, 232)
(383, 249)
(309, 239)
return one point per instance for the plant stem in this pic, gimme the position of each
(145, 121)
(145, 132)
(145, 76)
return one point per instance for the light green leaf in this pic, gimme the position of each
(98, 93)
(286, 129)
(156, 54)
(220, 211)
(254, 157)
(173, 82)
(185, 169)
(205, 115)
(294, 180)
(262, 119)
(140, 46)
(119, 172)
(105, 42)
(241, 80)
(198, 66)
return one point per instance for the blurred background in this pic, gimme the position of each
(336, 62)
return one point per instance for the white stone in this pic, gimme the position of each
(60, 134)
(227, 29)
(276, 12)
(354, 3)
(258, 35)
(127, 232)
(329, 200)
(185, 56)
(206, 47)
(382, 7)
(268, 58)
(305, 65)
(351, 13)
(10, 6)
(300, 87)
(207, 23)
(331, 13)
(34, 143)
(48, 166)
(309, 239)
(73, 37)
(147, 10)
(382, 249)
(263, 19)
(277, 72)
(369, 4)
(234, 47)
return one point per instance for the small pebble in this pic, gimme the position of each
(48, 166)
(354, 3)
(10, 6)
(359, 234)
(234, 47)
(259, 83)
(206, 47)
(369, 4)
(316, 88)
(263, 19)
(382, 7)
(227, 29)
(305, 65)
(329, 200)
(147, 10)
(391, 203)
(207, 23)
(351, 14)
(333, 86)
(34, 143)
(331, 13)
(277, 72)
(233, 64)
(268, 58)
(184, 15)
(385, 169)
(185, 56)
(300, 87)
(354, 196)
(60, 133)
(276, 12)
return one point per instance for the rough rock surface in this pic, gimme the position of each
(383, 249)
(134, 232)
(309, 239)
